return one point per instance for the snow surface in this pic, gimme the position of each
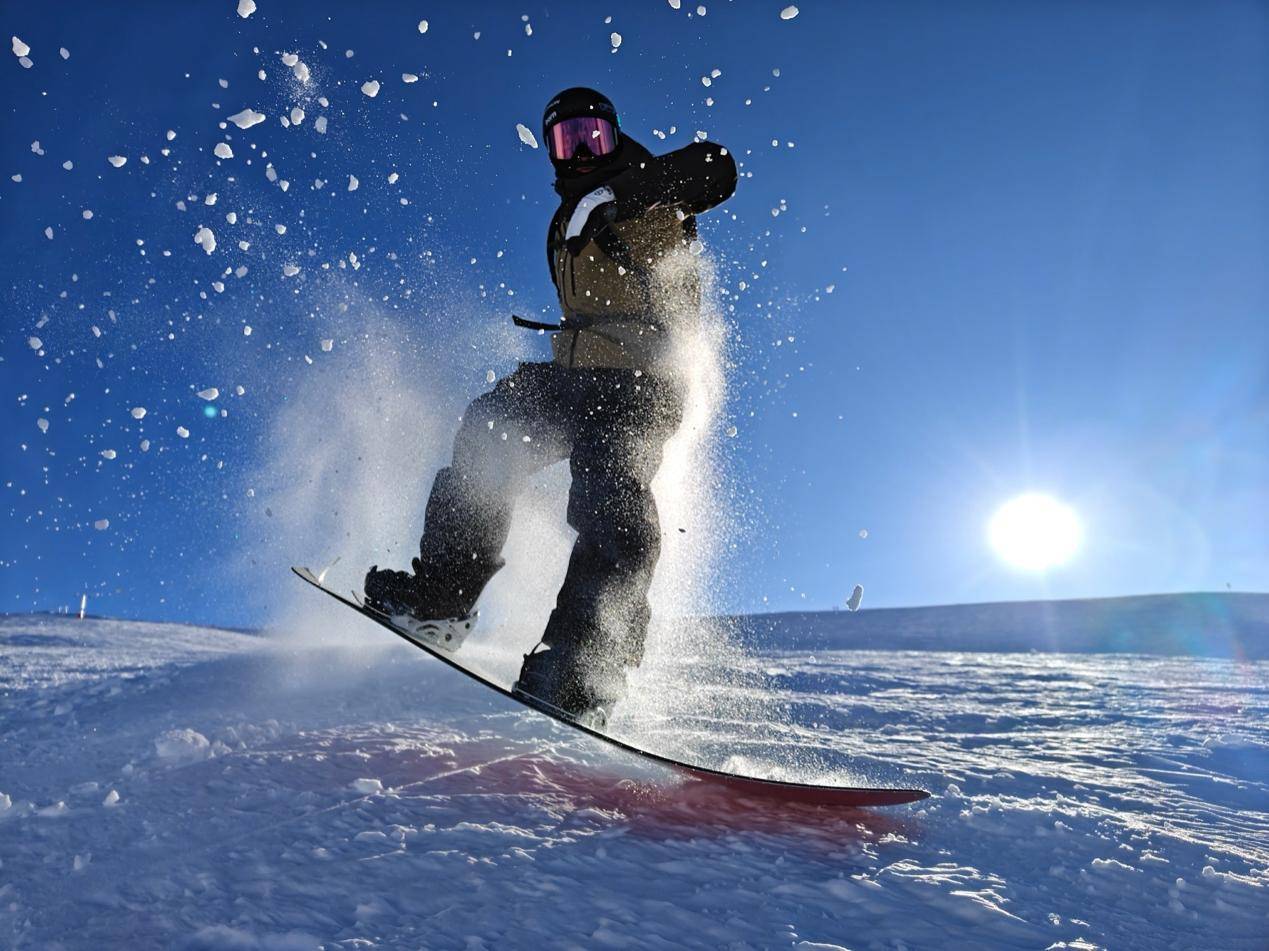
(173, 786)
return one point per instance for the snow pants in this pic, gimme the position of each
(611, 425)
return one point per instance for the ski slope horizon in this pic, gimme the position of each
(1196, 623)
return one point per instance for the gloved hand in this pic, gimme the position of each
(594, 213)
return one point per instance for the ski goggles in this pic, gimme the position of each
(566, 137)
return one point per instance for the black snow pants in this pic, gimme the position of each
(612, 425)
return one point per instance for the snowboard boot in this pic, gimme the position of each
(564, 688)
(400, 596)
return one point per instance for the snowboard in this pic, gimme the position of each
(736, 783)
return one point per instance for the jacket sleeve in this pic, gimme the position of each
(695, 178)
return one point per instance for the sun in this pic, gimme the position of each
(1035, 532)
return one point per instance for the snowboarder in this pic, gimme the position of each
(621, 257)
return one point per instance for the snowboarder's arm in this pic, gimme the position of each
(695, 178)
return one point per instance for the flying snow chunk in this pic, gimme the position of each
(675, 4)
(856, 596)
(353, 183)
(328, 345)
(243, 120)
(490, 376)
(367, 785)
(246, 8)
(171, 135)
(101, 524)
(205, 237)
(526, 135)
(48, 233)
(788, 13)
(615, 39)
(223, 151)
(290, 270)
(112, 799)
(20, 48)
(320, 124)
(108, 454)
(297, 115)
(43, 424)
(138, 412)
(64, 53)
(182, 432)
(422, 29)
(300, 71)
(118, 161)
(208, 394)
(409, 78)
(34, 343)
(731, 432)
(370, 88)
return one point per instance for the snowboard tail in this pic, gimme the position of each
(741, 785)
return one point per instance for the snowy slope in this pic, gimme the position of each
(184, 787)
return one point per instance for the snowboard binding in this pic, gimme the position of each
(446, 634)
(398, 596)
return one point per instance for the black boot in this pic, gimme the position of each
(560, 680)
(393, 592)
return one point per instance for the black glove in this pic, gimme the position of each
(594, 213)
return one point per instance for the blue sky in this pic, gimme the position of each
(1044, 225)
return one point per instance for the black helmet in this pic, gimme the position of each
(580, 129)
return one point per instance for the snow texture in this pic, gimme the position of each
(172, 786)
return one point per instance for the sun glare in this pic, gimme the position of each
(1035, 532)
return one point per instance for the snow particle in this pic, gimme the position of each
(243, 120)
(108, 454)
(367, 786)
(118, 161)
(223, 151)
(138, 412)
(526, 135)
(182, 432)
(42, 423)
(319, 124)
(615, 39)
(353, 183)
(48, 233)
(409, 78)
(112, 799)
(64, 53)
(35, 343)
(20, 48)
(208, 394)
(422, 27)
(205, 238)
(246, 8)
(101, 524)
(290, 270)
(328, 345)
(788, 13)
(370, 88)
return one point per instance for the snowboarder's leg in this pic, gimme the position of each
(506, 435)
(597, 629)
